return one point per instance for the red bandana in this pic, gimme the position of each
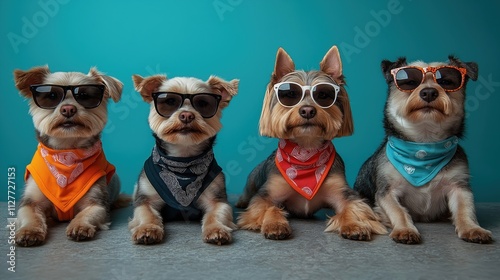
(65, 176)
(304, 169)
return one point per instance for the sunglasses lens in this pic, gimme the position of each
(47, 97)
(205, 104)
(324, 95)
(449, 78)
(167, 103)
(289, 94)
(408, 78)
(88, 96)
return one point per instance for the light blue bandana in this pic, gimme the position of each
(419, 163)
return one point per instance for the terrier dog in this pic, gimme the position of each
(420, 172)
(69, 178)
(181, 179)
(305, 110)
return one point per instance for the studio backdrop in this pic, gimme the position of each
(238, 39)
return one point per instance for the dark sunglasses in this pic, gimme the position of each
(290, 94)
(49, 96)
(408, 78)
(166, 103)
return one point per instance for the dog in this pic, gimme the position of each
(305, 110)
(181, 180)
(69, 178)
(420, 172)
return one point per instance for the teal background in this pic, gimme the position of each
(239, 39)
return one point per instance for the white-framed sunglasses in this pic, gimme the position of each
(289, 94)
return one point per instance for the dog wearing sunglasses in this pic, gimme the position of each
(420, 173)
(69, 178)
(305, 110)
(181, 180)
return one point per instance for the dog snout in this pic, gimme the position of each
(307, 112)
(429, 94)
(186, 117)
(68, 110)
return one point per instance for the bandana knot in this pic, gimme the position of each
(304, 169)
(419, 163)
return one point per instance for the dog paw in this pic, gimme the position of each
(80, 231)
(276, 231)
(27, 237)
(405, 236)
(355, 232)
(217, 235)
(148, 234)
(476, 235)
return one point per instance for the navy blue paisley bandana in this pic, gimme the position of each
(180, 181)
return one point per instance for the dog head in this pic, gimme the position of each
(67, 104)
(185, 110)
(315, 118)
(426, 99)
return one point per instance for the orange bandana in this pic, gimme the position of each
(65, 176)
(304, 169)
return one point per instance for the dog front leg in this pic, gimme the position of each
(403, 229)
(263, 215)
(92, 213)
(461, 205)
(217, 224)
(353, 219)
(31, 221)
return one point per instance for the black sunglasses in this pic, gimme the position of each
(49, 96)
(166, 103)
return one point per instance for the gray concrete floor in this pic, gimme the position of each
(310, 254)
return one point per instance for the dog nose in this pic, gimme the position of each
(68, 110)
(429, 94)
(307, 112)
(186, 117)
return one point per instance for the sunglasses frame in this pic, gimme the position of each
(184, 96)
(65, 90)
(426, 70)
(304, 88)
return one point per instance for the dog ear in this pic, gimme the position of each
(226, 89)
(332, 65)
(113, 86)
(146, 86)
(283, 65)
(265, 122)
(24, 79)
(387, 66)
(472, 67)
(347, 128)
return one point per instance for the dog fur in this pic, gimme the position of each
(267, 197)
(217, 223)
(92, 210)
(409, 117)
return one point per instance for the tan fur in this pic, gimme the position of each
(449, 192)
(217, 222)
(267, 210)
(280, 122)
(36, 209)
